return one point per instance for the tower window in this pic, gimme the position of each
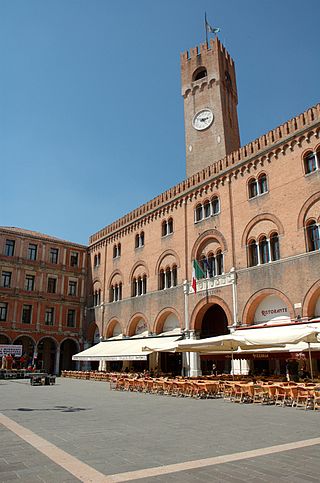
(200, 73)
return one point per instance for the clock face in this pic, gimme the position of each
(202, 119)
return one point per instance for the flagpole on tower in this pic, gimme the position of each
(208, 28)
(205, 27)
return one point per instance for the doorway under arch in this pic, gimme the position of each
(67, 349)
(46, 356)
(214, 322)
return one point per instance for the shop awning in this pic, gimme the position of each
(135, 348)
(288, 334)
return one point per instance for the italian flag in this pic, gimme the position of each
(197, 273)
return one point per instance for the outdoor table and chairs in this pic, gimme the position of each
(42, 379)
(237, 389)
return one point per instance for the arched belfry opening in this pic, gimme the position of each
(200, 73)
(214, 322)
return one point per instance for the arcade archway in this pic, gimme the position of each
(4, 339)
(213, 320)
(28, 346)
(68, 348)
(46, 356)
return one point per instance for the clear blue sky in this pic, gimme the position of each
(91, 116)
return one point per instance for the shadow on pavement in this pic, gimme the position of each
(64, 409)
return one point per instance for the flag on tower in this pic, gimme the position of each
(212, 30)
(208, 28)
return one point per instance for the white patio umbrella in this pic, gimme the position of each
(284, 335)
(223, 343)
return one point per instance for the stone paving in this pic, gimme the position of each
(117, 432)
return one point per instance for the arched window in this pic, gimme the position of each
(200, 73)
(115, 292)
(311, 162)
(97, 297)
(313, 235)
(95, 261)
(253, 188)
(144, 284)
(134, 291)
(203, 265)
(206, 209)
(264, 250)
(211, 265)
(198, 213)
(257, 187)
(168, 278)
(262, 184)
(139, 240)
(174, 276)
(139, 286)
(164, 228)
(219, 262)
(215, 203)
(253, 253)
(274, 246)
(136, 241)
(161, 280)
(117, 250)
(167, 227)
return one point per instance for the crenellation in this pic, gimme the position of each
(194, 52)
(263, 142)
(203, 47)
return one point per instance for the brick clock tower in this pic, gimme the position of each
(210, 105)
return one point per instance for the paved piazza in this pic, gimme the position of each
(82, 431)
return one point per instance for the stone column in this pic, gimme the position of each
(195, 366)
(258, 253)
(57, 362)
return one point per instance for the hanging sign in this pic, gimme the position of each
(14, 350)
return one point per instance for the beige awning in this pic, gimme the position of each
(288, 334)
(132, 349)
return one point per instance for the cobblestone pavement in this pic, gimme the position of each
(81, 431)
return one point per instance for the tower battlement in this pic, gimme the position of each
(204, 49)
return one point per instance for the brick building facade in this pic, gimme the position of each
(248, 215)
(42, 296)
